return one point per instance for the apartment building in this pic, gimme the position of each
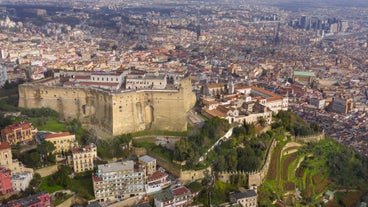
(83, 158)
(63, 141)
(118, 180)
(178, 197)
(20, 181)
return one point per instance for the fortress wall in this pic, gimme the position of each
(118, 113)
(67, 102)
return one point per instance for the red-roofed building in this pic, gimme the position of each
(178, 197)
(63, 141)
(17, 133)
(83, 158)
(182, 196)
(157, 181)
(5, 181)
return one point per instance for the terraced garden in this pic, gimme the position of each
(288, 173)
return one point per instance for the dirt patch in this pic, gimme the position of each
(321, 185)
(308, 188)
(299, 172)
(286, 164)
(46, 171)
(289, 186)
(274, 165)
(317, 178)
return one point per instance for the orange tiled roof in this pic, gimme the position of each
(60, 134)
(4, 145)
(11, 128)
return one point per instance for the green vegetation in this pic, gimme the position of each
(345, 166)
(147, 143)
(45, 186)
(244, 151)
(38, 157)
(294, 124)
(327, 165)
(61, 197)
(48, 124)
(85, 180)
(162, 152)
(196, 144)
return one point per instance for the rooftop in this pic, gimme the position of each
(304, 73)
(146, 159)
(116, 166)
(4, 145)
(164, 196)
(246, 194)
(56, 135)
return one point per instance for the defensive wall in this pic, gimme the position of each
(307, 139)
(255, 177)
(115, 113)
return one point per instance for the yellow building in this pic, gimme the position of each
(63, 141)
(6, 160)
(84, 158)
(18, 133)
(149, 163)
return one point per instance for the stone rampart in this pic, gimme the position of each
(307, 139)
(192, 175)
(256, 177)
(114, 113)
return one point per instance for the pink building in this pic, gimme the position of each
(5, 181)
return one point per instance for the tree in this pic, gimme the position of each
(232, 160)
(32, 159)
(61, 177)
(221, 164)
(262, 121)
(4, 121)
(45, 148)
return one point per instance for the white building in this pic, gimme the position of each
(141, 80)
(118, 180)
(111, 80)
(20, 181)
(157, 181)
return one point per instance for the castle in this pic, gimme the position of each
(99, 99)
